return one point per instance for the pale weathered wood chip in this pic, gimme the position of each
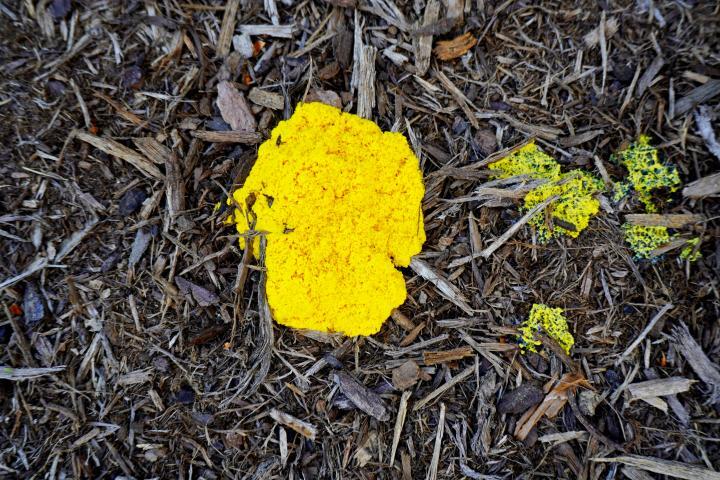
(708, 372)
(703, 187)
(234, 108)
(267, 99)
(659, 387)
(663, 467)
(306, 429)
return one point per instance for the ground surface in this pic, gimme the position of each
(169, 369)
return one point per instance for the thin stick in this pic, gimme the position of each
(645, 332)
(505, 236)
(399, 422)
(432, 471)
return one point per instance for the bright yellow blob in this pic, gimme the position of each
(576, 203)
(339, 202)
(548, 319)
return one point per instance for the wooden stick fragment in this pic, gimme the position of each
(244, 137)
(444, 388)
(670, 220)
(447, 289)
(663, 467)
(307, 430)
(645, 331)
(500, 241)
(703, 187)
(659, 388)
(432, 470)
(423, 43)
(116, 149)
(708, 372)
(399, 422)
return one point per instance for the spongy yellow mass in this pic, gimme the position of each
(339, 203)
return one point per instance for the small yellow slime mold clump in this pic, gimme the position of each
(339, 203)
(646, 173)
(643, 240)
(528, 160)
(549, 319)
(576, 190)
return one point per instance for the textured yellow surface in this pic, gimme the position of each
(339, 203)
(552, 321)
(645, 172)
(643, 240)
(576, 190)
(528, 160)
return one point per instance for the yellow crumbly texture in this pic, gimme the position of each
(646, 173)
(690, 252)
(548, 319)
(528, 160)
(576, 190)
(643, 240)
(339, 202)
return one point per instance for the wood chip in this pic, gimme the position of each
(434, 358)
(234, 108)
(155, 151)
(266, 99)
(432, 396)
(279, 31)
(406, 375)
(457, 47)
(708, 371)
(307, 430)
(500, 241)
(554, 401)
(609, 27)
(447, 289)
(363, 75)
(111, 147)
(19, 374)
(459, 97)
(248, 138)
(663, 467)
(423, 43)
(649, 75)
(697, 96)
(228, 27)
(399, 422)
(435, 461)
(75, 239)
(363, 398)
(703, 187)
(670, 220)
(659, 387)
(134, 378)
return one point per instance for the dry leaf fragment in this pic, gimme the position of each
(457, 47)
(234, 108)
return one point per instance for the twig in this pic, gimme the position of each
(645, 332)
(505, 236)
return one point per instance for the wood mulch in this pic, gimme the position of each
(134, 342)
